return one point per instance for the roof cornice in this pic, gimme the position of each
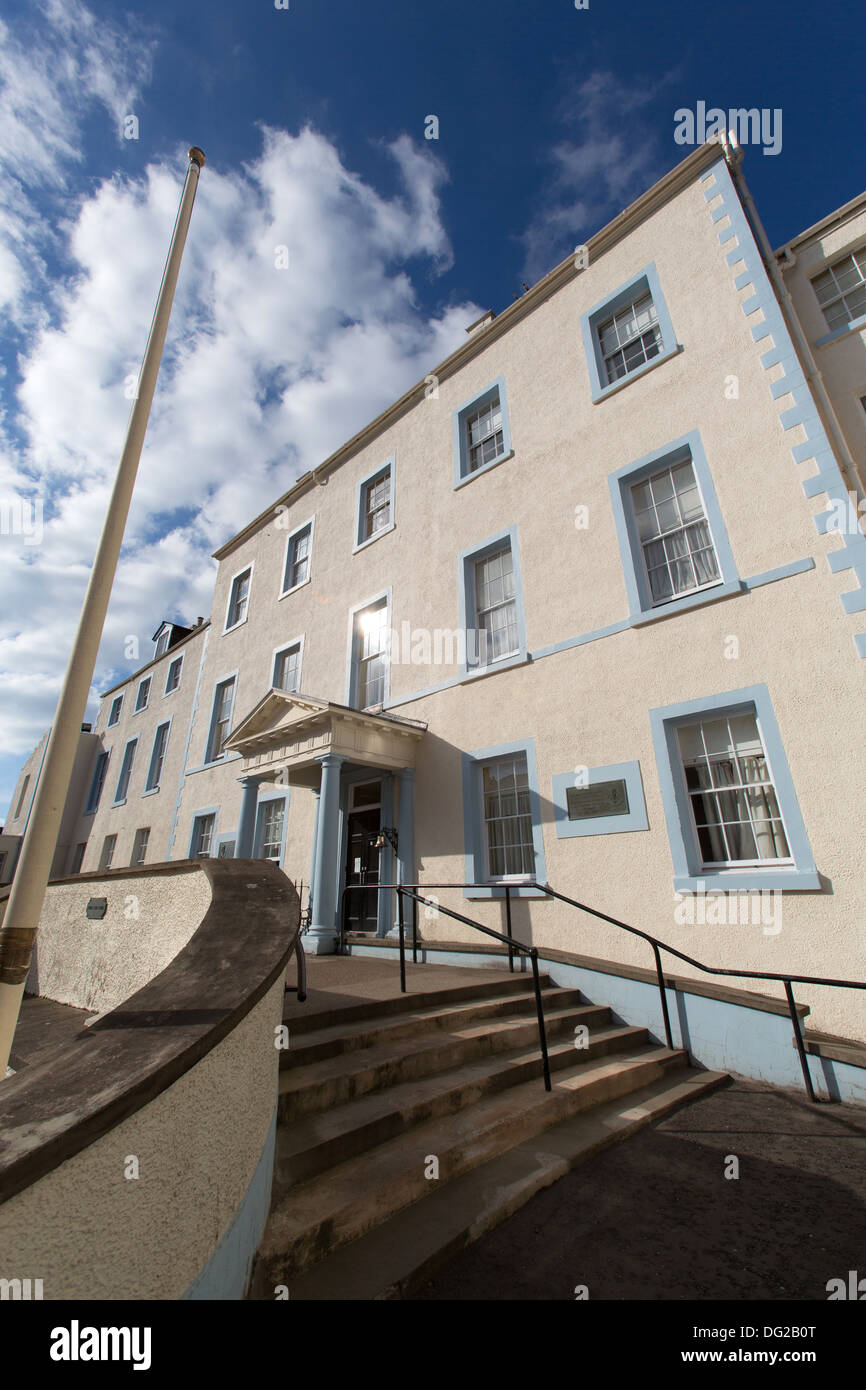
(842, 214)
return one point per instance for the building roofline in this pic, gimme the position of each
(171, 651)
(655, 197)
(840, 215)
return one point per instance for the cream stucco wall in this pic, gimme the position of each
(96, 964)
(90, 1232)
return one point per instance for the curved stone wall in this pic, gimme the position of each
(135, 1161)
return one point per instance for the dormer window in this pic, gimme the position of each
(162, 638)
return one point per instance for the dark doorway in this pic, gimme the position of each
(362, 867)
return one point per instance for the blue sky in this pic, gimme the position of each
(551, 120)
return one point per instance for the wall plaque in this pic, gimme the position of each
(601, 799)
(96, 907)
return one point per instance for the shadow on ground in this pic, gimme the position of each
(656, 1218)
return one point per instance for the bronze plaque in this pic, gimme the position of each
(602, 799)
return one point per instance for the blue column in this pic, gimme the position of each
(247, 818)
(406, 838)
(321, 940)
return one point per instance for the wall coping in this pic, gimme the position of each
(150, 1040)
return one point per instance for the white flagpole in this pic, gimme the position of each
(37, 851)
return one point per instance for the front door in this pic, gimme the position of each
(362, 867)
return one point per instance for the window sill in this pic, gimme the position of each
(698, 599)
(750, 880)
(150, 791)
(855, 326)
(294, 589)
(611, 390)
(377, 536)
(485, 468)
(139, 711)
(166, 693)
(234, 627)
(484, 892)
(506, 664)
(115, 804)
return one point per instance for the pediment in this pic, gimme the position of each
(277, 711)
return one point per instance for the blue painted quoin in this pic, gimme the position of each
(828, 480)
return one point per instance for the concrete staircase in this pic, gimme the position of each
(410, 1125)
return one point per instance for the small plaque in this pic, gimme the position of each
(96, 908)
(602, 799)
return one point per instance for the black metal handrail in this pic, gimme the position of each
(657, 944)
(787, 980)
(410, 891)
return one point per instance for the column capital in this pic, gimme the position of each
(250, 780)
(405, 773)
(330, 759)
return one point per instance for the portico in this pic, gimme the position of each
(297, 740)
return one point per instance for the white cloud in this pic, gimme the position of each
(266, 372)
(57, 66)
(613, 155)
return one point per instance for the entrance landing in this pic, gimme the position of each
(338, 981)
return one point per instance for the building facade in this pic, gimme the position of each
(586, 607)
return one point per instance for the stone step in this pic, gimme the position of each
(308, 1146)
(305, 1020)
(338, 1080)
(396, 1258)
(333, 1041)
(346, 1201)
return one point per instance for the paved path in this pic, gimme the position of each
(655, 1217)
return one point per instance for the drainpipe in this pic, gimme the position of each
(734, 159)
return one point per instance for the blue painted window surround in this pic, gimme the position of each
(157, 757)
(369, 647)
(143, 696)
(496, 446)
(298, 560)
(689, 873)
(172, 678)
(473, 821)
(640, 601)
(474, 653)
(258, 840)
(645, 282)
(222, 712)
(203, 835)
(125, 771)
(374, 505)
(238, 607)
(99, 775)
(600, 825)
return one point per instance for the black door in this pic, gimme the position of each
(362, 866)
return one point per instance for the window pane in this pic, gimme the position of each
(738, 819)
(508, 823)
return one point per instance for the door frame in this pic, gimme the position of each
(387, 867)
